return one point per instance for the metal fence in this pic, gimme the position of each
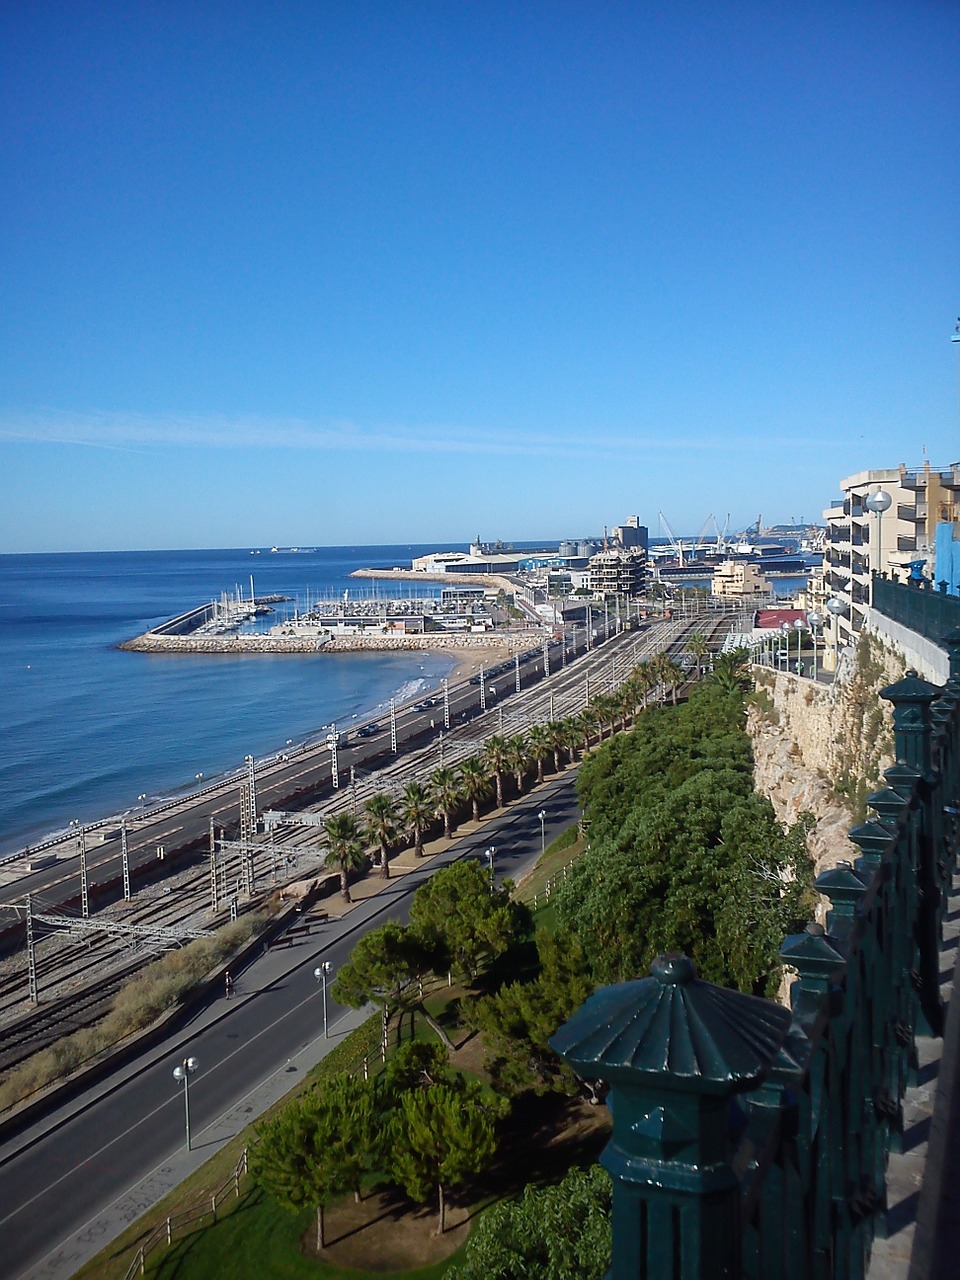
(751, 1140)
(179, 1224)
(919, 606)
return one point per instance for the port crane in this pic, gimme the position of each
(675, 542)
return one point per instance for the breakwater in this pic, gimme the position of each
(496, 580)
(455, 642)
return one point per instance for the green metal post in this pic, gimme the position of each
(675, 1050)
(911, 698)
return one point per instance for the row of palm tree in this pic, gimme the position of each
(389, 822)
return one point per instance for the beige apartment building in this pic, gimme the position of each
(739, 580)
(885, 520)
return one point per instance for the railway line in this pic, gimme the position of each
(78, 974)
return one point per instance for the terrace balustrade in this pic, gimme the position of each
(750, 1140)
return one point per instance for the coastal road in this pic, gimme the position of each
(290, 779)
(60, 1173)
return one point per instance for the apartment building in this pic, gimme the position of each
(885, 521)
(618, 572)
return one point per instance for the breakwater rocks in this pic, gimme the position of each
(493, 581)
(508, 642)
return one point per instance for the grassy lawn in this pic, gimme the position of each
(563, 850)
(255, 1237)
(259, 1239)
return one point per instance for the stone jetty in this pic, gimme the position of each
(509, 642)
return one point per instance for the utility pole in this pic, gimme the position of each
(126, 859)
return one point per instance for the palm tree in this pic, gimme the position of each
(474, 783)
(381, 826)
(606, 714)
(495, 756)
(518, 757)
(445, 793)
(417, 811)
(588, 720)
(644, 679)
(698, 648)
(540, 743)
(672, 676)
(345, 847)
(571, 736)
(555, 731)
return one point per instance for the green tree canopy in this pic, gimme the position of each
(462, 924)
(440, 1135)
(296, 1159)
(517, 1022)
(551, 1233)
(684, 855)
(385, 967)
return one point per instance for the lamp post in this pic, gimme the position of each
(182, 1075)
(801, 626)
(142, 797)
(878, 502)
(783, 655)
(815, 620)
(542, 815)
(835, 607)
(198, 778)
(490, 853)
(320, 973)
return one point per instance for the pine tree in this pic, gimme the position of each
(440, 1135)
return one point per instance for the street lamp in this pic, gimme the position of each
(142, 797)
(835, 607)
(815, 620)
(199, 778)
(490, 854)
(542, 815)
(320, 973)
(783, 655)
(878, 502)
(182, 1076)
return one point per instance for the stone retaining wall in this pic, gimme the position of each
(814, 744)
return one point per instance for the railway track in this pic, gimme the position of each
(78, 975)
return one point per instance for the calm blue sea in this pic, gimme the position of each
(88, 728)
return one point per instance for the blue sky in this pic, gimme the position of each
(322, 273)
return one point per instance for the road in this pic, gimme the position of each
(61, 1173)
(287, 780)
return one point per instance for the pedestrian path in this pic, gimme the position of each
(271, 967)
(923, 1180)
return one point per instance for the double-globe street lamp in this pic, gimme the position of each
(182, 1075)
(321, 973)
(878, 502)
(490, 853)
(835, 607)
(814, 620)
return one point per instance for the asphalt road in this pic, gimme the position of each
(60, 1173)
(305, 774)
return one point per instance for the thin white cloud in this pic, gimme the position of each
(142, 431)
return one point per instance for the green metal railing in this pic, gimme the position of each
(922, 607)
(750, 1140)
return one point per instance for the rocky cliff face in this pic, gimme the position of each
(821, 749)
